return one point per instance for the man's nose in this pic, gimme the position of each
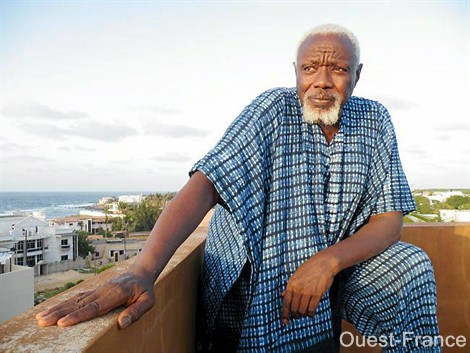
(323, 78)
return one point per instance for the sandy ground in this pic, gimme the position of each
(58, 279)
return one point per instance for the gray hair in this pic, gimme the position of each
(331, 28)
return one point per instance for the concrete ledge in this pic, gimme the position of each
(170, 326)
(167, 327)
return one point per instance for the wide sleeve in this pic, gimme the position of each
(240, 164)
(394, 191)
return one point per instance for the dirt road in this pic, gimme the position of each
(59, 279)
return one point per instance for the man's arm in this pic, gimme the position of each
(312, 279)
(179, 219)
(135, 288)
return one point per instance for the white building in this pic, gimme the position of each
(92, 213)
(34, 243)
(87, 223)
(131, 198)
(454, 215)
(106, 200)
(118, 249)
(16, 287)
(442, 196)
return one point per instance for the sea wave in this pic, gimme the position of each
(83, 205)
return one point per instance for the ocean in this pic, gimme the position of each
(54, 204)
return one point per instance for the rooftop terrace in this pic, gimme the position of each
(170, 325)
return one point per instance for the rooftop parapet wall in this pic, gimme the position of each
(16, 292)
(448, 247)
(170, 325)
(167, 327)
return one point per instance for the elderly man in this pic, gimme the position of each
(310, 195)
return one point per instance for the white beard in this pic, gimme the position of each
(328, 117)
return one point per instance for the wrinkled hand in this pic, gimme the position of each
(136, 292)
(306, 287)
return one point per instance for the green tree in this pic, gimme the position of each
(442, 206)
(117, 224)
(143, 216)
(107, 233)
(456, 201)
(84, 245)
(423, 205)
(465, 206)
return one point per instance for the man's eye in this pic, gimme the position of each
(309, 68)
(339, 69)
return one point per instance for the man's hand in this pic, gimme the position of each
(312, 279)
(136, 292)
(307, 286)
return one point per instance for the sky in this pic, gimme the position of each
(128, 95)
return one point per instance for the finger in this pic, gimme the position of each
(303, 307)
(91, 309)
(294, 306)
(136, 310)
(52, 315)
(63, 305)
(286, 307)
(312, 305)
(55, 316)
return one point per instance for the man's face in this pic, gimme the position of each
(326, 73)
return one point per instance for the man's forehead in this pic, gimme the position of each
(327, 43)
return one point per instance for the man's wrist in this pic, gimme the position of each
(143, 272)
(329, 261)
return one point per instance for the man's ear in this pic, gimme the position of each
(358, 73)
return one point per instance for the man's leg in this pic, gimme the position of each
(393, 296)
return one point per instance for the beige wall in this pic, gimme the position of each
(16, 292)
(170, 325)
(448, 247)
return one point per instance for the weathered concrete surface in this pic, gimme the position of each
(170, 326)
(59, 279)
(175, 303)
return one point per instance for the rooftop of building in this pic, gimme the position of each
(170, 325)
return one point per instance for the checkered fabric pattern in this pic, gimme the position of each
(391, 294)
(287, 194)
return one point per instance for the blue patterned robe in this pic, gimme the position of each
(288, 194)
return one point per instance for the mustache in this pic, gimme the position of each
(321, 94)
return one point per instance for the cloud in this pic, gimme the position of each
(45, 130)
(36, 110)
(27, 158)
(416, 151)
(159, 109)
(175, 131)
(172, 157)
(455, 126)
(122, 163)
(94, 131)
(77, 147)
(103, 131)
(392, 102)
(443, 137)
(13, 147)
(85, 149)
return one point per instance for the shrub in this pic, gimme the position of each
(104, 268)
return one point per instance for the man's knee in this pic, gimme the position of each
(409, 259)
(400, 266)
